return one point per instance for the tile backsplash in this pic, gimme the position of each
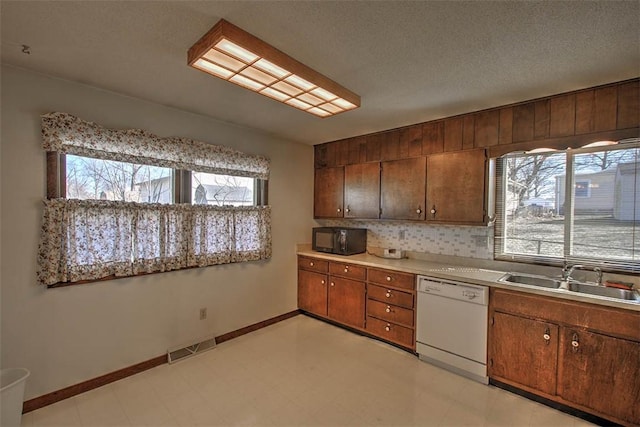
(464, 241)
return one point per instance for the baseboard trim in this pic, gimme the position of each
(251, 328)
(67, 392)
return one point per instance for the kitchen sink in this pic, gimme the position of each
(530, 279)
(573, 286)
(585, 288)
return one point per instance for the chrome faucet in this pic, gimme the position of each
(598, 271)
(567, 271)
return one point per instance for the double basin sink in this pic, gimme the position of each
(572, 285)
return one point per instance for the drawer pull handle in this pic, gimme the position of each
(387, 328)
(388, 278)
(388, 294)
(388, 309)
(311, 264)
(346, 270)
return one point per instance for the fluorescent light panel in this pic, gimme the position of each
(232, 54)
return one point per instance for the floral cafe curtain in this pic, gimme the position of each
(93, 239)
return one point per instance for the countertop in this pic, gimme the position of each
(473, 275)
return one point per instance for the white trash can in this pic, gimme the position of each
(12, 382)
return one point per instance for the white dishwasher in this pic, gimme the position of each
(451, 326)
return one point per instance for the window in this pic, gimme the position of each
(598, 220)
(583, 189)
(88, 178)
(123, 203)
(222, 190)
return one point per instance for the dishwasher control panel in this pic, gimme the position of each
(455, 290)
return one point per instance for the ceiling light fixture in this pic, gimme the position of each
(232, 54)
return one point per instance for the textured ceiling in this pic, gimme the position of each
(409, 61)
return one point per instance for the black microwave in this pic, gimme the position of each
(340, 240)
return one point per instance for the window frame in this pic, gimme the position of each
(609, 265)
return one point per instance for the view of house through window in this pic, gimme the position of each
(597, 220)
(221, 190)
(89, 178)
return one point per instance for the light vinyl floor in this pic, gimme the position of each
(299, 372)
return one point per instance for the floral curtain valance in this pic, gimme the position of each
(68, 134)
(94, 239)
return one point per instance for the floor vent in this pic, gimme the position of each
(179, 353)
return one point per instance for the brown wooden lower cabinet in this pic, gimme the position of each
(600, 372)
(312, 292)
(393, 313)
(391, 332)
(582, 355)
(337, 291)
(532, 344)
(346, 301)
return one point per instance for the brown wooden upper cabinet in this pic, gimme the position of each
(328, 192)
(362, 190)
(382, 175)
(456, 187)
(402, 189)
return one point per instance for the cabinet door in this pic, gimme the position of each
(402, 189)
(523, 351)
(456, 187)
(328, 192)
(312, 292)
(601, 373)
(362, 190)
(347, 301)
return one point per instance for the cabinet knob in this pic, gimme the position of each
(388, 309)
(547, 336)
(433, 210)
(387, 328)
(311, 264)
(388, 278)
(339, 210)
(322, 281)
(388, 294)
(333, 284)
(347, 210)
(418, 211)
(575, 342)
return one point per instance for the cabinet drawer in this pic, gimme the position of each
(313, 264)
(390, 331)
(347, 270)
(390, 313)
(390, 296)
(392, 278)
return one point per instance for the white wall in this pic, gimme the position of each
(69, 335)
